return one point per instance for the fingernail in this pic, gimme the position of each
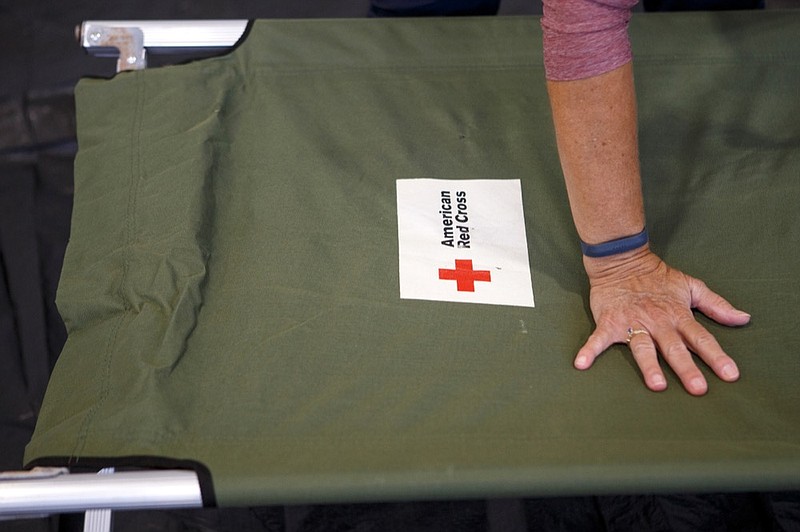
(658, 381)
(743, 314)
(698, 384)
(730, 372)
(581, 362)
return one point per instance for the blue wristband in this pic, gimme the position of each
(615, 247)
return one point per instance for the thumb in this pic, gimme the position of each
(714, 305)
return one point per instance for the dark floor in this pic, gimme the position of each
(40, 62)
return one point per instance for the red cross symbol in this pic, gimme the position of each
(465, 276)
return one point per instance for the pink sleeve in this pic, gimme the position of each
(584, 38)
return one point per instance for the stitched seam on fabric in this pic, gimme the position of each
(180, 439)
(680, 60)
(522, 68)
(130, 227)
(285, 69)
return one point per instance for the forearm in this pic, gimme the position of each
(587, 60)
(595, 125)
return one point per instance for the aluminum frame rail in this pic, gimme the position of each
(129, 40)
(44, 491)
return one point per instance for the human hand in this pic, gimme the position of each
(637, 291)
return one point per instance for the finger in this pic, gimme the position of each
(707, 348)
(677, 355)
(714, 305)
(600, 340)
(646, 357)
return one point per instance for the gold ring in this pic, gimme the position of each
(633, 332)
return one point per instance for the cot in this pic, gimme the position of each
(232, 286)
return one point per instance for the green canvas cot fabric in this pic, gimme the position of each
(231, 282)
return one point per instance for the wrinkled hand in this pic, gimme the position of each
(638, 290)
